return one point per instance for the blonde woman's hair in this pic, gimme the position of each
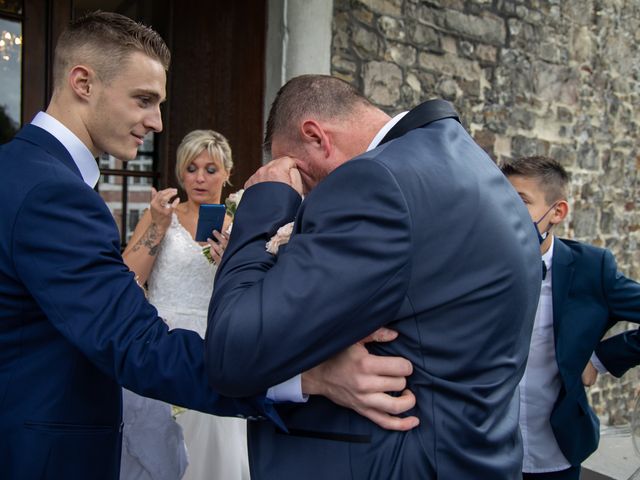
(197, 141)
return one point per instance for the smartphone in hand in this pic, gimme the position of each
(210, 217)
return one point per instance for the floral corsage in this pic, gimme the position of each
(281, 237)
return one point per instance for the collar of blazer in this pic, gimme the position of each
(562, 276)
(420, 116)
(43, 139)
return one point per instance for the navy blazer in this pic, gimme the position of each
(74, 325)
(590, 295)
(422, 234)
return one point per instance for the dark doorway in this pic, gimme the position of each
(217, 78)
(216, 81)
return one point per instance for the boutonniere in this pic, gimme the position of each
(233, 201)
(281, 237)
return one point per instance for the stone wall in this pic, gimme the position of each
(552, 77)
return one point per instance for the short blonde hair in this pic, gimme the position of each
(195, 142)
(104, 41)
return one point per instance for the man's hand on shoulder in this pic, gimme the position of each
(358, 380)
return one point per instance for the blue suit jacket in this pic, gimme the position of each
(589, 296)
(423, 234)
(74, 325)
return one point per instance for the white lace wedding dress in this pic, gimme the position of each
(180, 287)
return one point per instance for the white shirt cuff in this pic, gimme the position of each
(598, 364)
(289, 391)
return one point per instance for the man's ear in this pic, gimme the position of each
(314, 136)
(560, 212)
(81, 80)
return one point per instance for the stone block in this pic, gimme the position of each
(487, 28)
(363, 15)
(466, 49)
(392, 28)
(424, 37)
(486, 139)
(450, 65)
(413, 82)
(584, 222)
(583, 49)
(384, 7)
(563, 114)
(365, 42)
(555, 83)
(343, 65)
(522, 146)
(382, 81)
(403, 55)
(565, 154)
(341, 32)
(448, 89)
(486, 53)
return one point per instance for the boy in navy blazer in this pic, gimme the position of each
(583, 295)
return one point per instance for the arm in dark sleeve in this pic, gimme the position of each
(620, 352)
(343, 274)
(67, 254)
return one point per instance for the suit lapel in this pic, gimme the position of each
(49, 143)
(562, 276)
(422, 115)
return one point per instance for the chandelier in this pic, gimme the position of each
(10, 46)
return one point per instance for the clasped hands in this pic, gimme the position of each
(282, 169)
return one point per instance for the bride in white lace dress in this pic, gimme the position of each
(163, 254)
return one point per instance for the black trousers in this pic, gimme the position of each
(572, 473)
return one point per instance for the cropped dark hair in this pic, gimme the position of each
(552, 176)
(320, 95)
(104, 40)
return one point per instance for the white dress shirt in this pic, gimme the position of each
(81, 155)
(540, 386)
(384, 130)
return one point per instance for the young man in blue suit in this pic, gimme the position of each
(583, 295)
(408, 223)
(74, 326)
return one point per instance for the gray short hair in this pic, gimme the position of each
(321, 95)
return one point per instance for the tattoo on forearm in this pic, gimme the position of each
(151, 239)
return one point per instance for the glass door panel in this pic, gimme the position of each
(10, 76)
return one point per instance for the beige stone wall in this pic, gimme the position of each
(552, 77)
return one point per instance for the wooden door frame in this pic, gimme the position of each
(223, 44)
(43, 21)
(201, 33)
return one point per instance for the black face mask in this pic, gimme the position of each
(542, 238)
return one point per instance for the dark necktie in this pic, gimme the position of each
(544, 270)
